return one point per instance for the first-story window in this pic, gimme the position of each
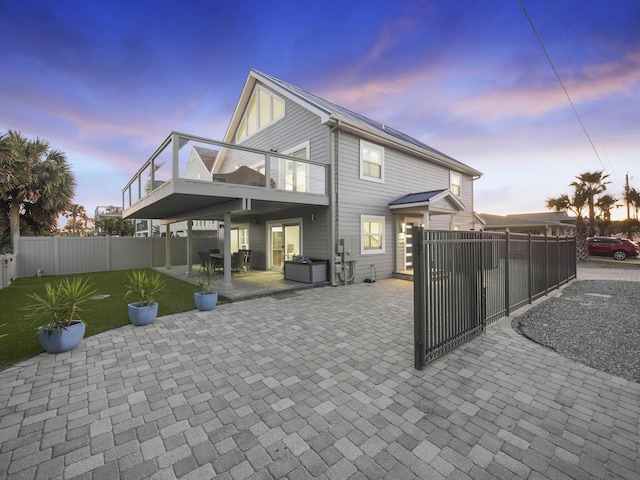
(371, 234)
(239, 239)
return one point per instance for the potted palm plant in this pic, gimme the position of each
(206, 299)
(144, 287)
(60, 308)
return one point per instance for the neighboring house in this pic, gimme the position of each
(200, 163)
(542, 223)
(198, 167)
(199, 228)
(298, 175)
(102, 212)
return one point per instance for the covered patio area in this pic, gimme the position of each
(258, 194)
(246, 285)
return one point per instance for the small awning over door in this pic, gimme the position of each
(435, 202)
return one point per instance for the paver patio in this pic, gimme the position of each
(315, 384)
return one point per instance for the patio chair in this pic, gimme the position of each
(246, 259)
(204, 258)
(236, 262)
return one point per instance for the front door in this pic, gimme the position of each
(408, 247)
(285, 242)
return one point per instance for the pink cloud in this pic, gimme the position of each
(394, 30)
(467, 91)
(598, 81)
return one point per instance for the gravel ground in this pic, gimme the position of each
(594, 322)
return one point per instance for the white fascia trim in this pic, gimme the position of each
(245, 96)
(313, 107)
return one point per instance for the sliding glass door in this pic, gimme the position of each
(284, 242)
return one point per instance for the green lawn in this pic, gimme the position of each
(20, 341)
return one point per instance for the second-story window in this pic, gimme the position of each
(371, 162)
(456, 183)
(263, 109)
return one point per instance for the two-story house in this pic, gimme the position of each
(297, 175)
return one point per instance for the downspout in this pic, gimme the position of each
(333, 227)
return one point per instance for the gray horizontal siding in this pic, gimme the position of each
(403, 174)
(298, 125)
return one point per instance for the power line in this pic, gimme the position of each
(575, 77)
(584, 129)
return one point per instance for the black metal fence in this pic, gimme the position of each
(464, 281)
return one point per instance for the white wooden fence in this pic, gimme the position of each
(72, 255)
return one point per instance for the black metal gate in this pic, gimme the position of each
(465, 280)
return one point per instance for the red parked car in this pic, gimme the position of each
(618, 248)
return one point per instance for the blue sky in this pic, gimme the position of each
(106, 82)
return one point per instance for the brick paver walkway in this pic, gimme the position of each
(320, 385)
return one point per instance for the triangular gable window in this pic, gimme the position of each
(264, 109)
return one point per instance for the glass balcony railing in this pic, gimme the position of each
(194, 159)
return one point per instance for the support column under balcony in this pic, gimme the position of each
(167, 245)
(227, 283)
(189, 240)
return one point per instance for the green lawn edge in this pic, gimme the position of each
(19, 342)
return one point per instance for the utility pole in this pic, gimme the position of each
(626, 195)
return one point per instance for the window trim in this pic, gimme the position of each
(371, 146)
(376, 218)
(237, 246)
(302, 146)
(254, 101)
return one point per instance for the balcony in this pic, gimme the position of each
(191, 177)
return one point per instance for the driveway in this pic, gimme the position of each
(314, 384)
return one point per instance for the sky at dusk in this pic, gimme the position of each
(106, 82)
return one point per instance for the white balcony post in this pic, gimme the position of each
(267, 171)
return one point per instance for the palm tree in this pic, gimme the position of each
(35, 179)
(632, 197)
(574, 204)
(5, 148)
(77, 214)
(592, 184)
(604, 204)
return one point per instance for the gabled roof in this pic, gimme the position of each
(419, 197)
(207, 155)
(331, 112)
